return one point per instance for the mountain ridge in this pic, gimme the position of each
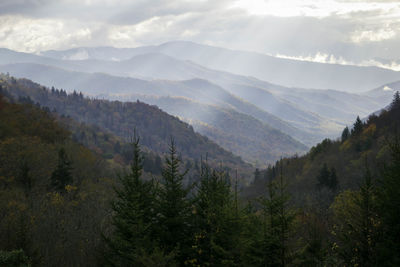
(299, 72)
(305, 114)
(153, 125)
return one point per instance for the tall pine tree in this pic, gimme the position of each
(272, 248)
(389, 206)
(62, 175)
(216, 227)
(174, 208)
(357, 127)
(396, 101)
(345, 134)
(323, 176)
(356, 225)
(131, 242)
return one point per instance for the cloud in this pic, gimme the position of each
(331, 59)
(372, 36)
(320, 58)
(31, 35)
(330, 30)
(311, 8)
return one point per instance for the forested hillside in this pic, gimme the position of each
(120, 118)
(363, 144)
(53, 191)
(348, 193)
(242, 134)
(197, 133)
(62, 204)
(197, 91)
(306, 115)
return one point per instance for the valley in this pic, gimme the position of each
(291, 119)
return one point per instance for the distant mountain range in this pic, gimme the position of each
(213, 100)
(231, 109)
(385, 92)
(287, 72)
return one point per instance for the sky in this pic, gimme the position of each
(359, 32)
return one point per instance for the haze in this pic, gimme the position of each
(331, 31)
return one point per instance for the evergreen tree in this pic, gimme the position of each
(257, 175)
(369, 221)
(285, 219)
(216, 227)
(315, 249)
(323, 177)
(389, 207)
(396, 101)
(333, 181)
(327, 178)
(277, 223)
(345, 134)
(1, 98)
(357, 223)
(25, 177)
(134, 217)
(174, 209)
(62, 175)
(257, 242)
(357, 127)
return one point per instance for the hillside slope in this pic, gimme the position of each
(318, 117)
(41, 205)
(196, 90)
(244, 135)
(366, 145)
(153, 125)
